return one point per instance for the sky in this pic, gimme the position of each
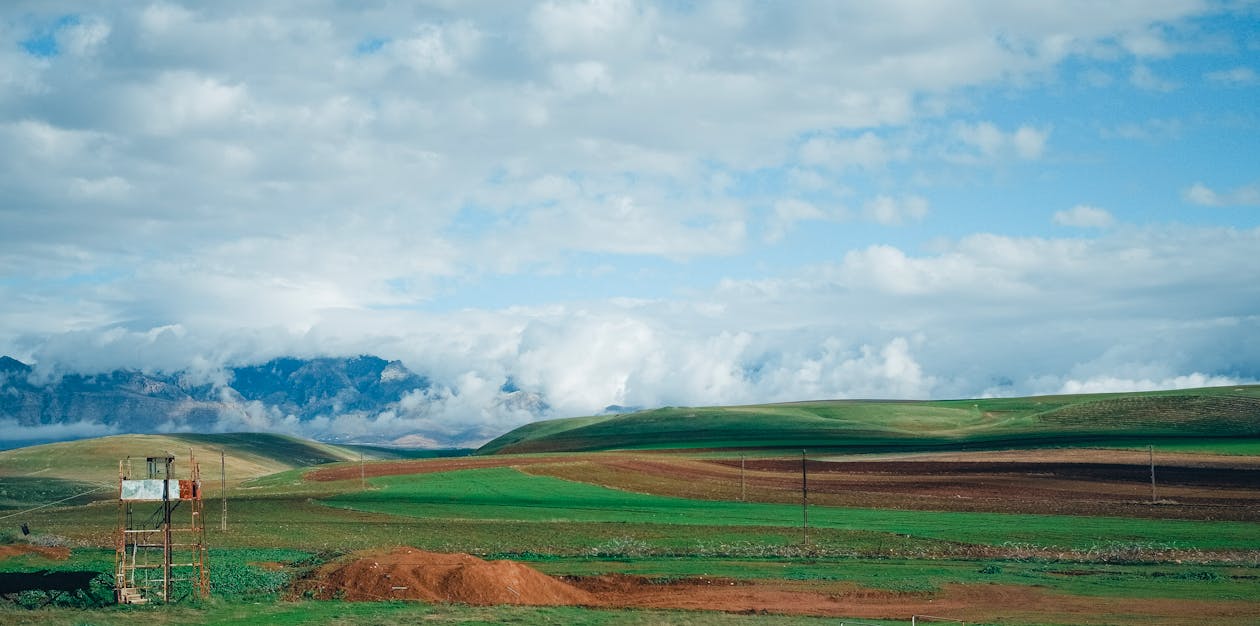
(637, 203)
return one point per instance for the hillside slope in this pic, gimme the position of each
(44, 473)
(874, 425)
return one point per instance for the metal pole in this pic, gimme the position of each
(223, 488)
(804, 502)
(166, 533)
(743, 492)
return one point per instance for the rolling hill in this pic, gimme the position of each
(41, 474)
(1210, 413)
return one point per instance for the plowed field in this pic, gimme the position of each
(1098, 482)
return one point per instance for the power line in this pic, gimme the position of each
(56, 502)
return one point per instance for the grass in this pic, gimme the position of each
(247, 456)
(287, 613)
(917, 575)
(21, 492)
(573, 528)
(506, 494)
(885, 425)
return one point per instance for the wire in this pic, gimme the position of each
(56, 502)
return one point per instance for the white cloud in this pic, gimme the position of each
(436, 49)
(595, 27)
(1147, 42)
(867, 151)
(1111, 384)
(181, 101)
(1200, 194)
(988, 143)
(223, 182)
(84, 37)
(1238, 76)
(1084, 216)
(882, 322)
(108, 188)
(1151, 129)
(12, 431)
(1143, 77)
(896, 211)
(1029, 142)
(788, 212)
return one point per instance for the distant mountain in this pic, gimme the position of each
(309, 388)
(289, 391)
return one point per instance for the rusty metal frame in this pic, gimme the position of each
(155, 552)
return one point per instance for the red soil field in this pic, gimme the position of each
(1076, 485)
(13, 550)
(409, 573)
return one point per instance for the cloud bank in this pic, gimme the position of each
(632, 203)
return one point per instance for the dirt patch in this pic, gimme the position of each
(412, 574)
(751, 597)
(409, 573)
(13, 550)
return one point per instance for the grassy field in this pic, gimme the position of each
(1211, 413)
(506, 494)
(1147, 566)
(44, 473)
(309, 612)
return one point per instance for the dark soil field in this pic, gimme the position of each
(1067, 481)
(1071, 482)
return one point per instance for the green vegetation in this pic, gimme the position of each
(20, 492)
(506, 494)
(286, 613)
(858, 425)
(283, 526)
(918, 575)
(246, 455)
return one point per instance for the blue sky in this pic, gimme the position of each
(638, 203)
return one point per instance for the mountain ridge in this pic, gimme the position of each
(285, 394)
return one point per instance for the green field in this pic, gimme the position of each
(282, 525)
(40, 474)
(1215, 415)
(506, 494)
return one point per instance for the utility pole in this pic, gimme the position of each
(743, 493)
(1151, 450)
(804, 503)
(166, 527)
(223, 488)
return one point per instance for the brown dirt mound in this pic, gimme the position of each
(408, 573)
(12, 550)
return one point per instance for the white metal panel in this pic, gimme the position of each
(150, 489)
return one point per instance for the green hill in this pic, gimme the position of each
(1218, 412)
(45, 473)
